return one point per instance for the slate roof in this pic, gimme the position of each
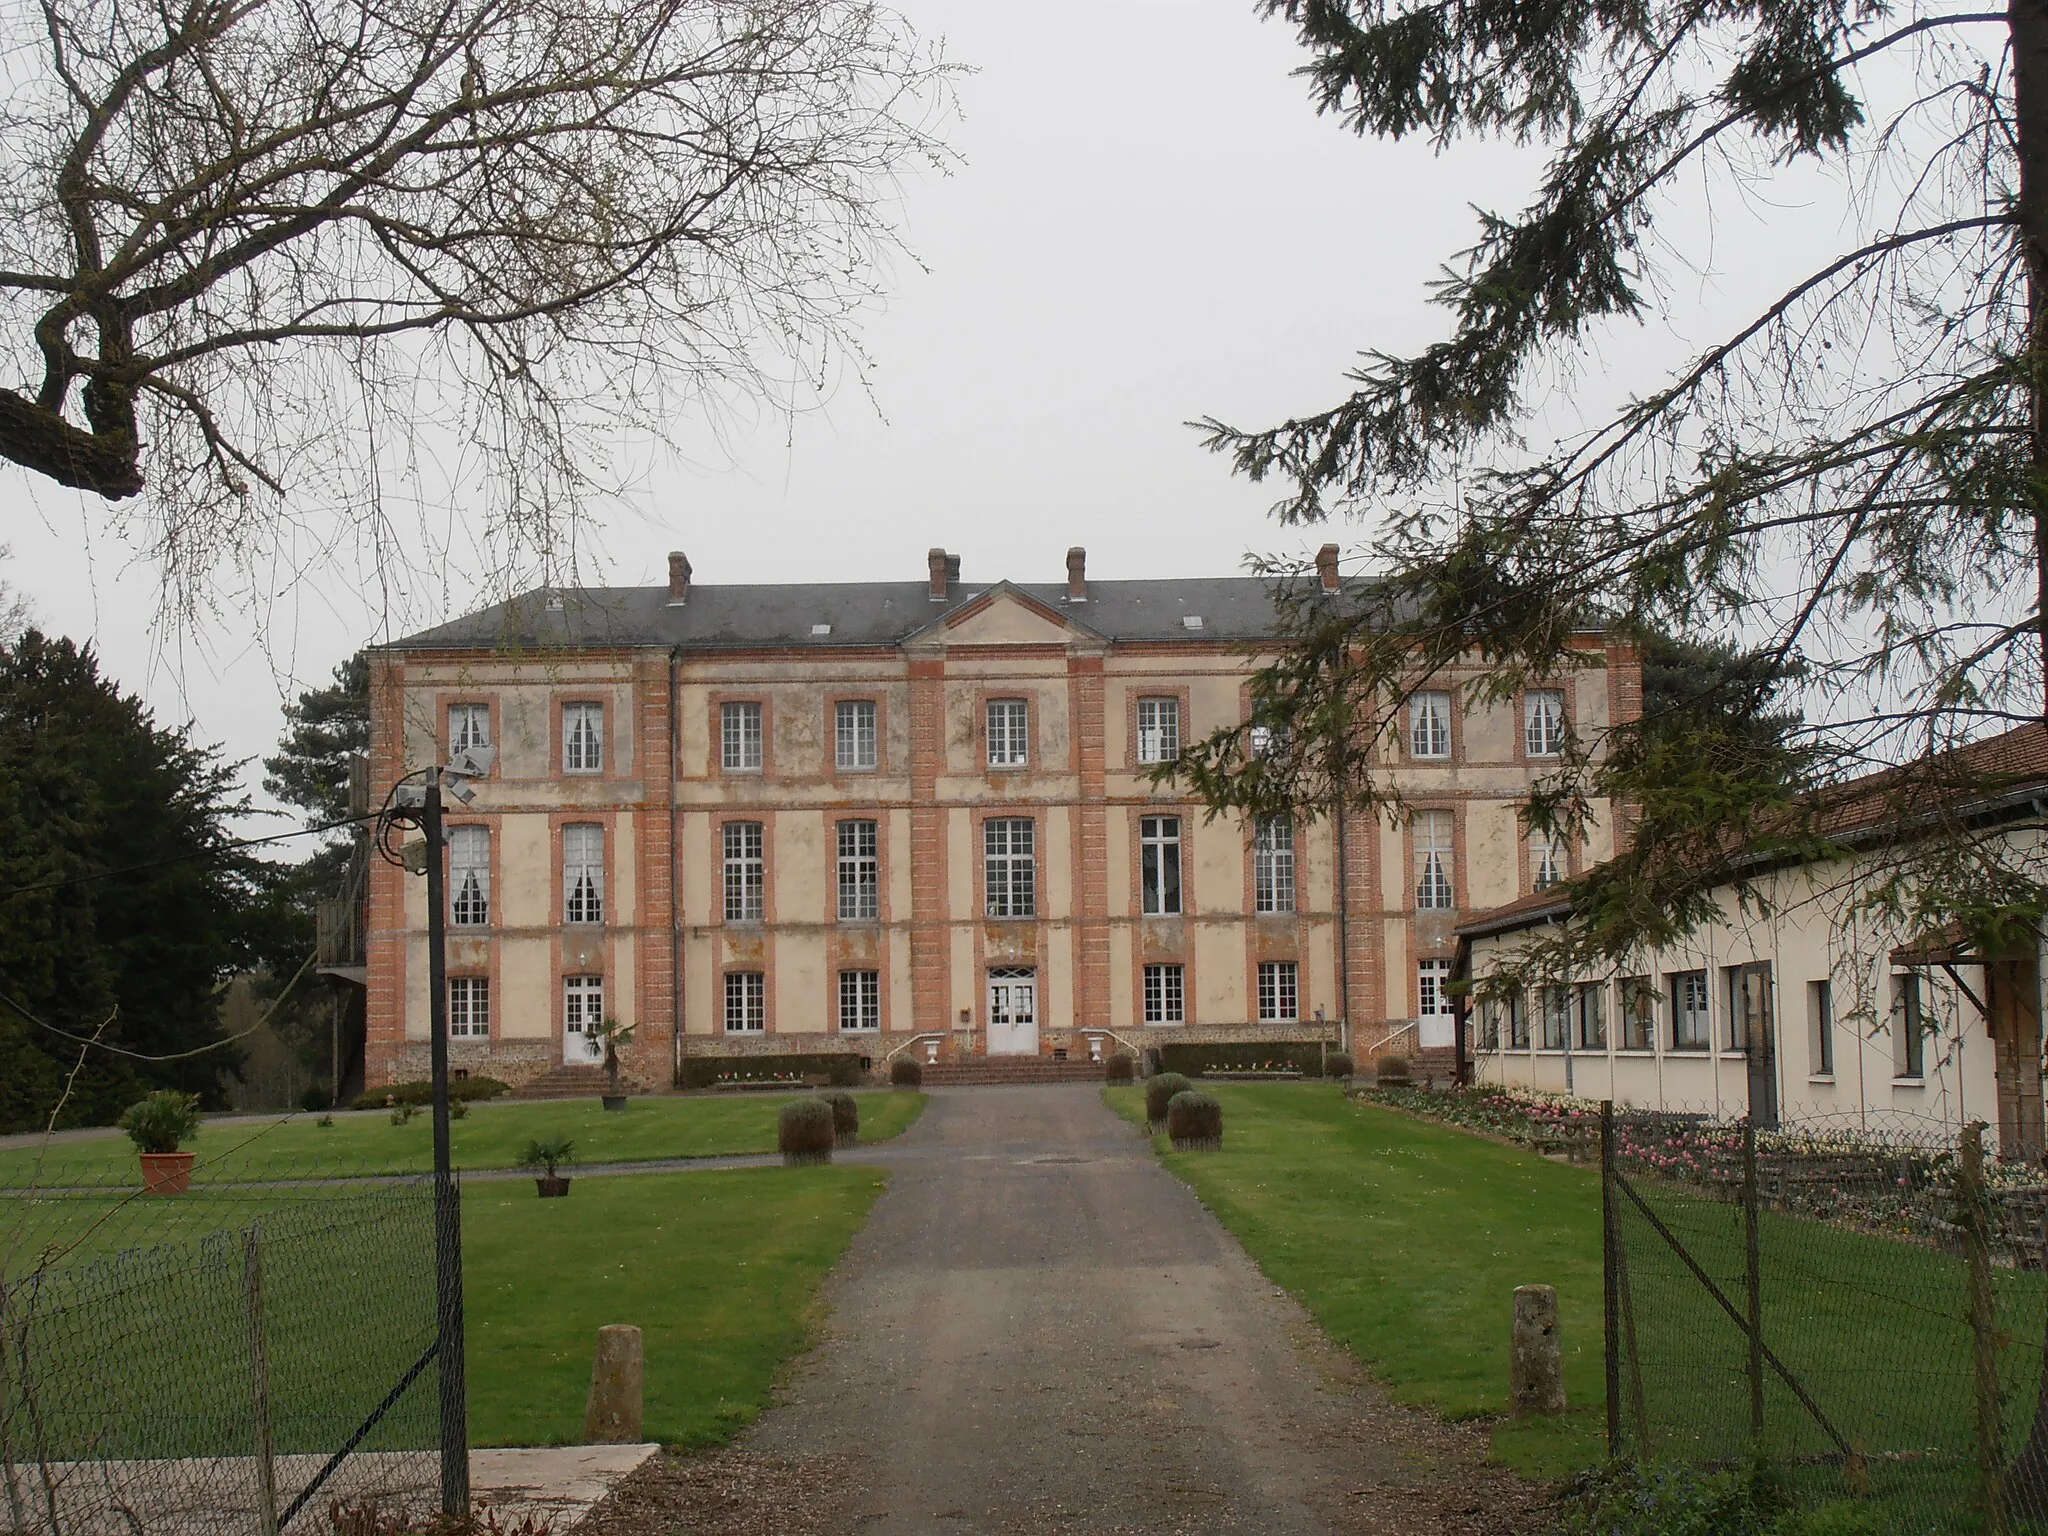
(865, 613)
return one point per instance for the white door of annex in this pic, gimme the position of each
(1013, 1013)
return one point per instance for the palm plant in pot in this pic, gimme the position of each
(611, 1034)
(548, 1155)
(160, 1125)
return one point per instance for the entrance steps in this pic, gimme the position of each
(572, 1083)
(982, 1071)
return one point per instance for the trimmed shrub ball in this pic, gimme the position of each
(804, 1132)
(1391, 1069)
(1159, 1091)
(906, 1072)
(845, 1116)
(1194, 1121)
(1122, 1067)
(1339, 1064)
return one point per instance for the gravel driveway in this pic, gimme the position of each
(1041, 1330)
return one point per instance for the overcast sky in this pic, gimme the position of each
(1148, 225)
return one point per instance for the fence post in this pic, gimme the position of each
(1974, 1211)
(1610, 1287)
(1753, 1281)
(17, 1513)
(259, 1385)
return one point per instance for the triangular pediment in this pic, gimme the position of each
(1007, 615)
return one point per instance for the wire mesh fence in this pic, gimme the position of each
(233, 1358)
(1865, 1312)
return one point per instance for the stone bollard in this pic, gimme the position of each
(618, 1379)
(1536, 1362)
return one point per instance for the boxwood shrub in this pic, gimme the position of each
(804, 1132)
(1122, 1067)
(906, 1072)
(1159, 1090)
(839, 1071)
(1194, 1121)
(845, 1116)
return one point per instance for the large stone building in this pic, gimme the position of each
(867, 817)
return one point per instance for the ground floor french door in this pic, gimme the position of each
(582, 1008)
(1013, 1012)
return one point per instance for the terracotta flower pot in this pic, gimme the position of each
(167, 1173)
(552, 1186)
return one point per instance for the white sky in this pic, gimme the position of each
(1149, 225)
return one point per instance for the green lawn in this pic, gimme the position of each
(492, 1135)
(719, 1270)
(1407, 1240)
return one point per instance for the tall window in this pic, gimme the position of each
(583, 874)
(1429, 725)
(1269, 740)
(1279, 993)
(1749, 1007)
(1009, 733)
(1543, 722)
(1009, 866)
(1555, 1006)
(860, 1000)
(1518, 1021)
(739, 737)
(1165, 994)
(1433, 860)
(746, 1002)
(746, 869)
(469, 725)
(1489, 1024)
(860, 873)
(1909, 1027)
(1689, 1011)
(1820, 1009)
(1546, 861)
(583, 1008)
(1159, 865)
(1273, 864)
(469, 1006)
(1433, 989)
(1158, 730)
(1638, 1014)
(853, 734)
(469, 876)
(583, 738)
(1589, 1013)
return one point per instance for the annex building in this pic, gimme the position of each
(863, 818)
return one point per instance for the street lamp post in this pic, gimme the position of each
(447, 1201)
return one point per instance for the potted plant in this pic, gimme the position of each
(548, 1156)
(160, 1125)
(611, 1034)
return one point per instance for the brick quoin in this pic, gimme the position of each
(1091, 840)
(931, 956)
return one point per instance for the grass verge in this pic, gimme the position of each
(1406, 1241)
(491, 1135)
(719, 1270)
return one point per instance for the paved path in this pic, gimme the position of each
(1042, 1330)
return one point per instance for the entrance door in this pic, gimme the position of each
(2016, 1055)
(1749, 998)
(1013, 1013)
(582, 1008)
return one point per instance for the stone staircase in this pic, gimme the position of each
(573, 1083)
(1009, 1070)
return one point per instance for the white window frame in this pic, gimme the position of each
(1543, 722)
(1909, 1027)
(1429, 725)
(1166, 994)
(1273, 864)
(583, 738)
(1692, 1022)
(860, 871)
(854, 747)
(1158, 730)
(469, 725)
(1436, 834)
(469, 876)
(1009, 733)
(583, 872)
(1820, 1007)
(1546, 862)
(746, 1002)
(1433, 989)
(1009, 864)
(582, 1004)
(860, 1002)
(1160, 890)
(740, 736)
(743, 845)
(1638, 1011)
(1279, 991)
(1589, 1015)
(1554, 1009)
(469, 1007)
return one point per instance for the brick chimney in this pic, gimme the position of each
(678, 577)
(1077, 575)
(942, 566)
(1326, 568)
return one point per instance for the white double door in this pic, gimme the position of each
(1013, 1012)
